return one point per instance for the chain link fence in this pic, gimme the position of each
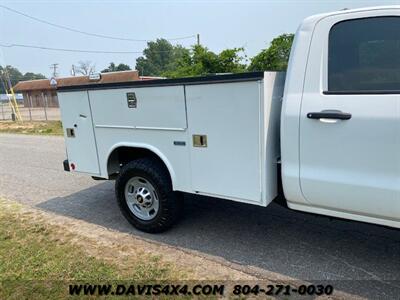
(37, 113)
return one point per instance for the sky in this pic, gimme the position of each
(221, 24)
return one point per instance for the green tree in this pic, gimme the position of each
(159, 57)
(116, 68)
(15, 76)
(275, 57)
(32, 76)
(9, 72)
(202, 61)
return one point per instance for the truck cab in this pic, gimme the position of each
(340, 122)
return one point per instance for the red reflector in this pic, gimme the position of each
(72, 167)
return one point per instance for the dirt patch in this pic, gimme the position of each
(32, 127)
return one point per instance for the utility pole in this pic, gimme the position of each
(198, 39)
(54, 67)
(73, 72)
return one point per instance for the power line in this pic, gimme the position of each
(89, 33)
(74, 50)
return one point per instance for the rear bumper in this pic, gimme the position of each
(66, 165)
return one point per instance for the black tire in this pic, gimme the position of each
(170, 202)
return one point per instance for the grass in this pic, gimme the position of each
(32, 127)
(37, 261)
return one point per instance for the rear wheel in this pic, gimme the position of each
(145, 196)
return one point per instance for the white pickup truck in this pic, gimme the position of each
(332, 122)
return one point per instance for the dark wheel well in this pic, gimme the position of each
(280, 199)
(121, 156)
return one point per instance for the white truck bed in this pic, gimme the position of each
(233, 119)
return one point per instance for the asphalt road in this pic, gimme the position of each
(358, 258)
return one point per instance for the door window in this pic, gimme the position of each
(364, 55)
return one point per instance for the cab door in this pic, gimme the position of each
(349, 123)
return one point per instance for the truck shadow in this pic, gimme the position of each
(355, 257)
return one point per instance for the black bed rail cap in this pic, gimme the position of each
(212, 78)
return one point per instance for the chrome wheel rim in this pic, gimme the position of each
(141, 198)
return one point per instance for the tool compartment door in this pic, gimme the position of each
(156, 108)
(225, 119)
(78, 131)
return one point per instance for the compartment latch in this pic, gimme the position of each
(70, 132)
(199, 140)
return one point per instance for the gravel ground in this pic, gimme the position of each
(357, 258)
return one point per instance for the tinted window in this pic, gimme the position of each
(364, 55)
